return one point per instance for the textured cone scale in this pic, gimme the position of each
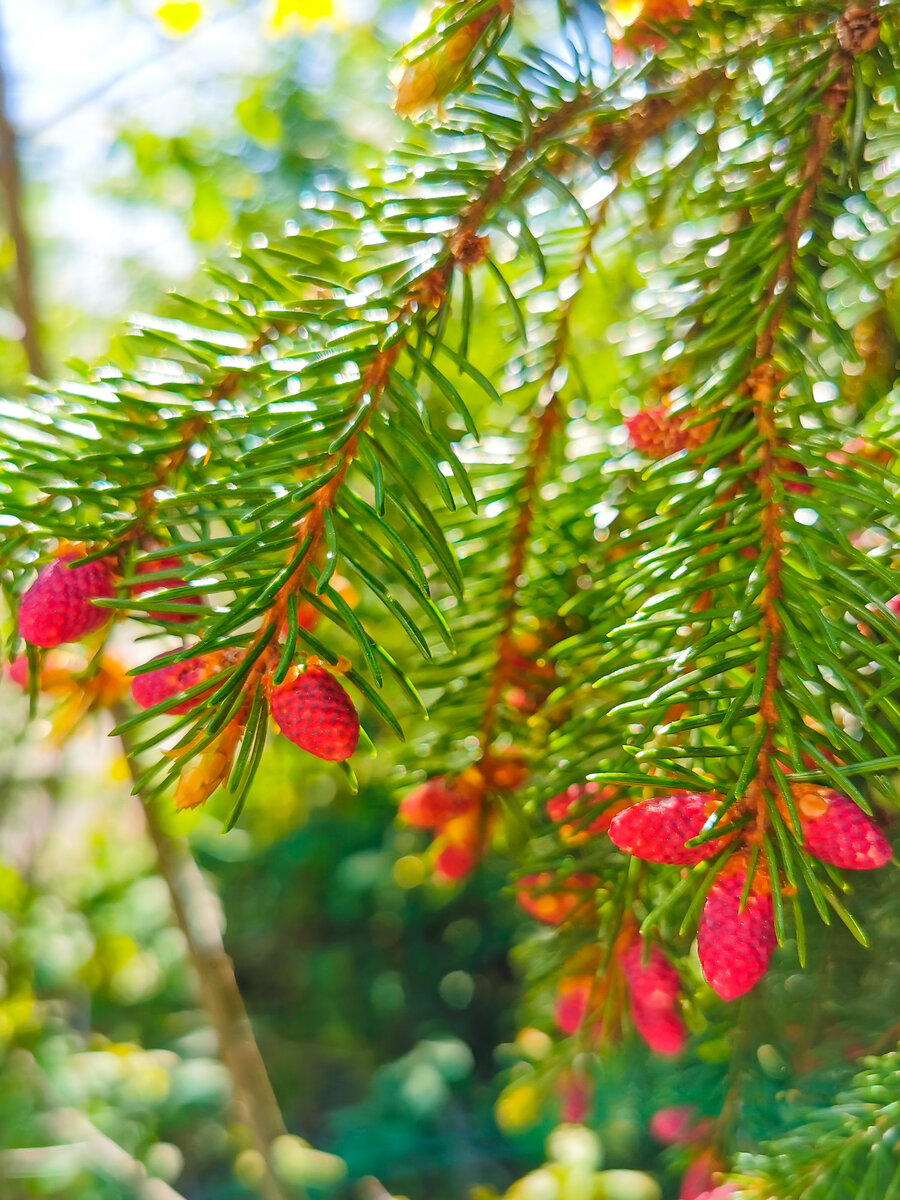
(734, 947)
(162, 586)
(170, 681)
(552, 904)
(436, 801)
(658, 432)
(315, 713)
(657, 829)
(838, 832)
(655, 982)
(57, 607)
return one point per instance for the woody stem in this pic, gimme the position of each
(194, 908)
(763, 388)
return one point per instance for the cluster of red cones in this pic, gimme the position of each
(647, 980)
(454, 809)
(736, 931)
(311, 707)
(59, 606)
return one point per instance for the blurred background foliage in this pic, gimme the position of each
(153, 136)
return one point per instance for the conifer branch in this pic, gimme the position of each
(762, 386)
(623, 138)
(190, 430)
(429, 291)
(704, 672)
(426, 295)
(845, 1149)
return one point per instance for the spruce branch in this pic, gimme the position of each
(762, 384)
(725, 659)
(430, 290)
(307, 543)
(845, 1151)
(426, 293)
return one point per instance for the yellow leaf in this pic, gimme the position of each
(518, 1107)
(178, 17)
(293, 14)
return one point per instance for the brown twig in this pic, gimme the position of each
(11, 187)
(194, 909)
(762, 385)
(625, 137)
(429, 291)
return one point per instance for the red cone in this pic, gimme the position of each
(164, 585)
(838, 831)
(170, 681)
(656, 830)
(653, 986)
(436, 801)
(57, 607)
(315, 713)
(735, 947)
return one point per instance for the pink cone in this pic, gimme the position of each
(735, 947)
(657, 829)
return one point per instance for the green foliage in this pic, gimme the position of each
(402, 392)
(854, 1143)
